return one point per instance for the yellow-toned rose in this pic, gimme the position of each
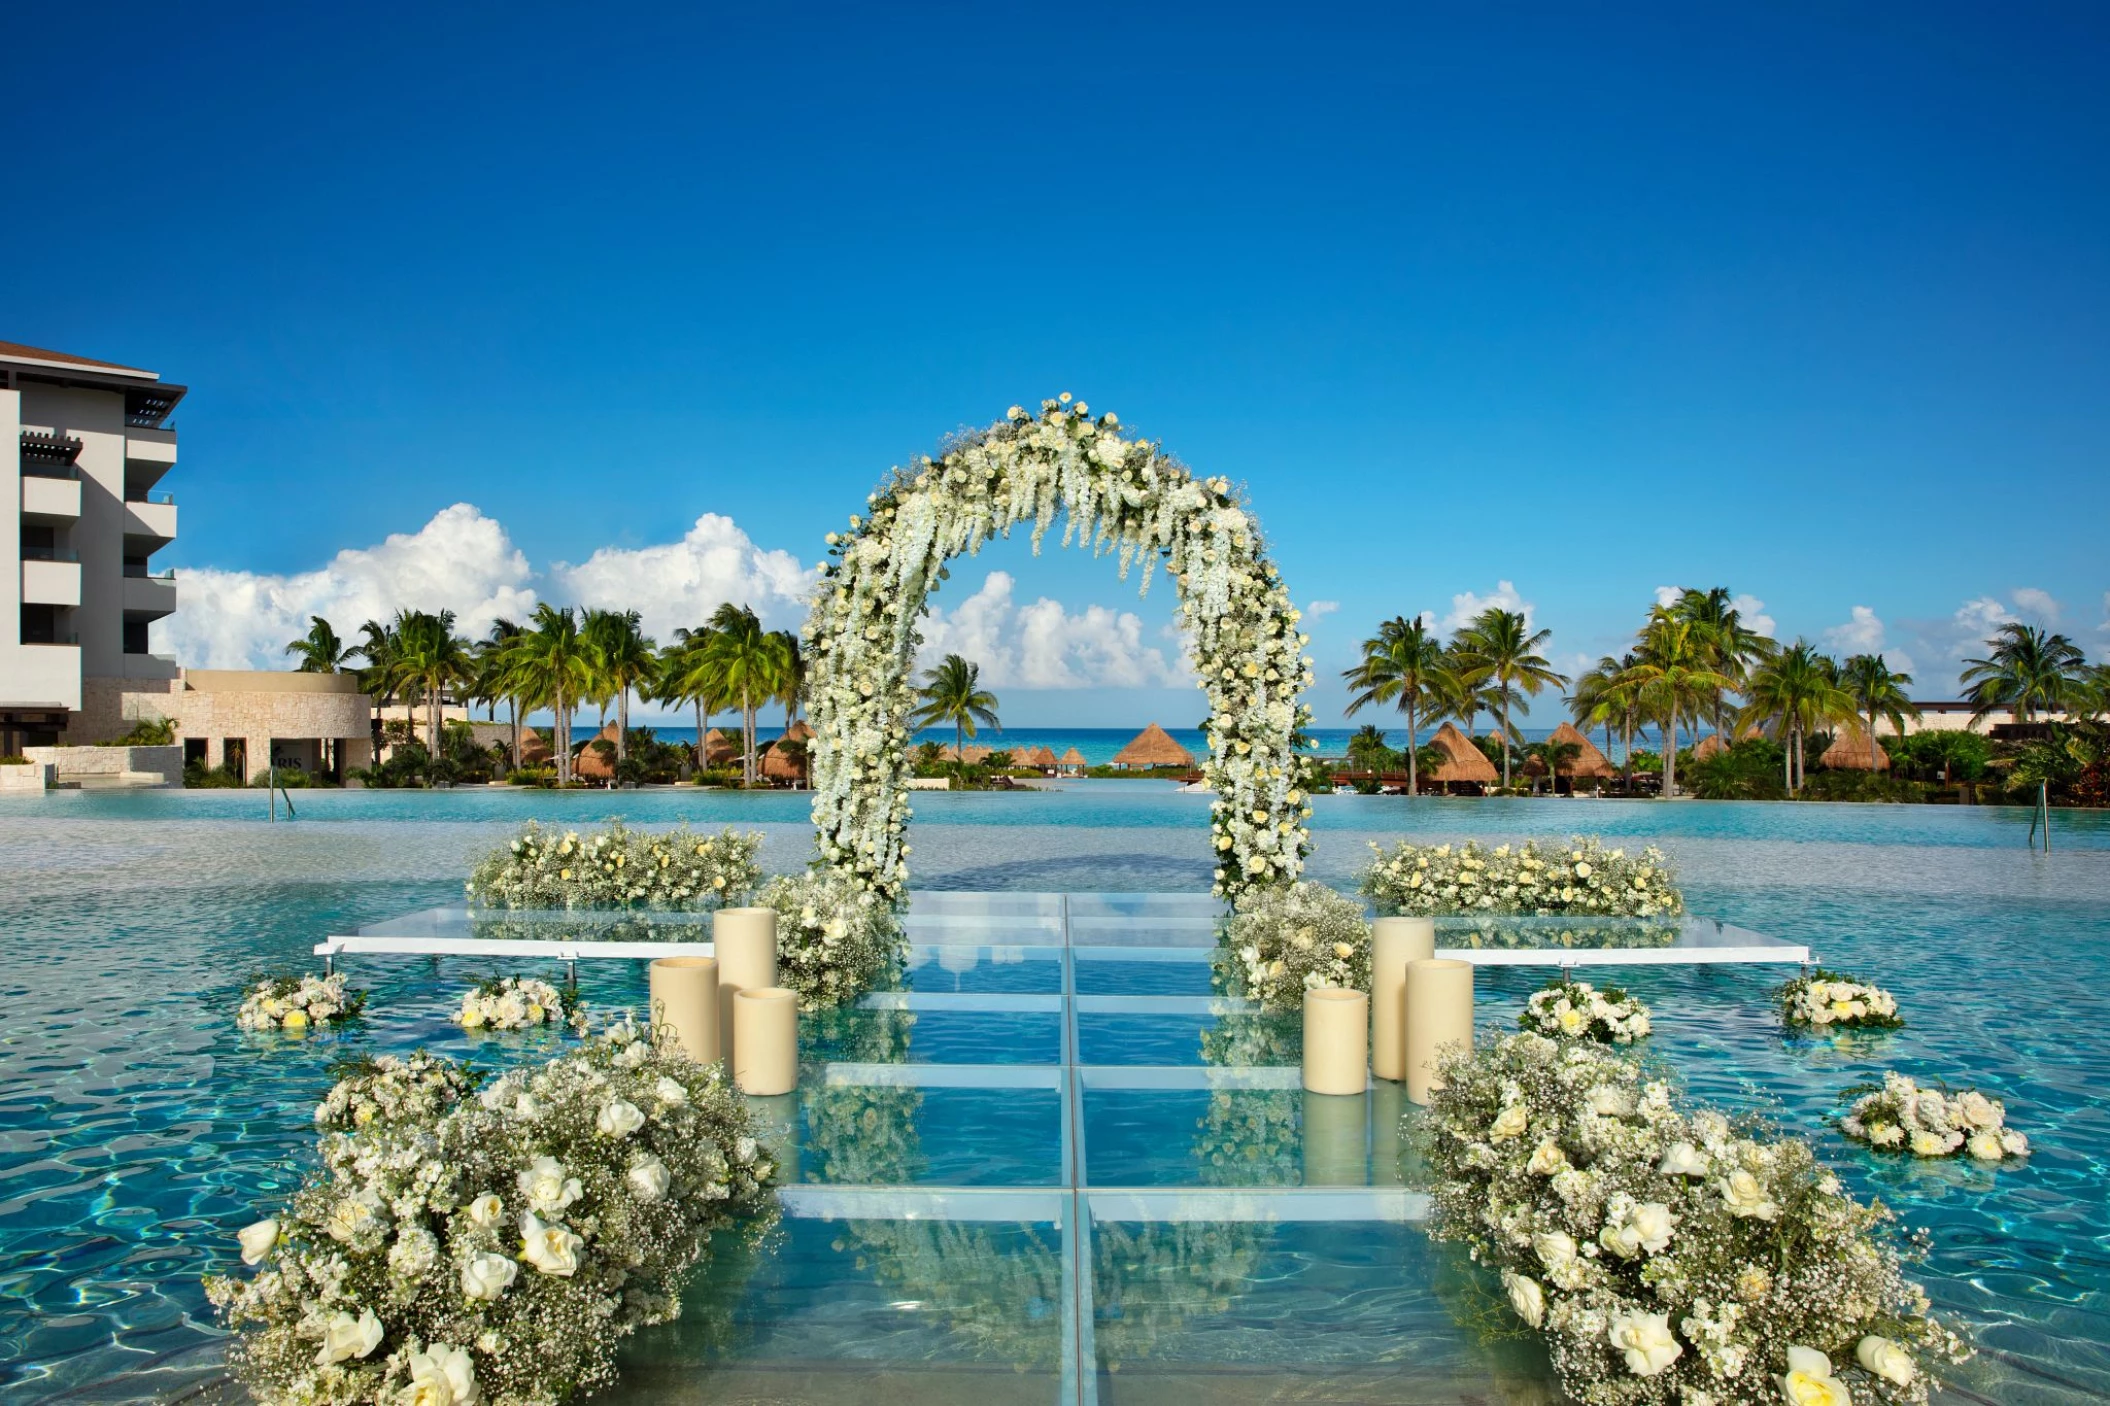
(1880, 1357)
(1509, 1123)
(295, 1020)
(1809, 1380)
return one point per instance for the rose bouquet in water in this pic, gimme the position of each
(517, 1003)
(298, 1002)
(1665, 1255)
(1576, 1010)
(494, 1246)
(1824, 1001)
(1900, 1115)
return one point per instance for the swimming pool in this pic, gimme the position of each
(138, 1128)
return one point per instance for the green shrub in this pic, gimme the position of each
(198, 776)
(146, 732)
(14, 761)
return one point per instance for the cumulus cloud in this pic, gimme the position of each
(1466, 606)
(2031, 601)
(1864, 633)
(681, 583)
(1667, 596)
(1046, 645)
(1320, 609)
(1749, 608)
(1975, 621)
(460, 561)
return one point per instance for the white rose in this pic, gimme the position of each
(2014, 1143)
(1652, 1224)
(487, 1276)
(257, 1240)
(348, 1218)
(1746, 1196)
(1977, 1110)
(670, 1092)
(649, 1178)
(1610, 1101)
(1683, 1160)
(618, 1118)
(1508, 1123)
(345, 1336)
(1925, 1144)
(546, 1187)
(1986, 1147)
(1809, 1380)
(486, 1211)
(1880, 1357)
(414, 1252)
(1556, 1250)
(1547, 1159)
(441, 1375)
(550, 1248)
(1527, 1298)
(1646, 1340)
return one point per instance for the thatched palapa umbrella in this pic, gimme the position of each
(1463, 763)
(1588, 764)
(1153, 747)
(1073, 762)
(1850, 752)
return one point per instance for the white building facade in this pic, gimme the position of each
(83, 448)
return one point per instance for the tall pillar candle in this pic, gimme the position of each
(685, 997)
(1336, 1041)
(1439, 1014)
(745, 940)
(1394, 942)
(1336, 1139)
(765, 1040)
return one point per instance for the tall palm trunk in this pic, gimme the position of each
(1505, 745)
(1871, 742)
(622, 726)
(1413, 762)
(747, 738)
(699, 733)
(563, 740)
(513, 704)
(1802, 773)
(1670, 754)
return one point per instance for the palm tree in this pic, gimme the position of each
(621, 661)
(1402, 664)
(432, 655)
(320, 651)
(2026, 670)
(746, 669)
(1735, 647)
(685, 677)
(1603, 696)
(1795, 693)
(495, 658)
(1877, 691)
(1501, 650)
(1672, 674)
(791, 671)
(381, 677)
(1553, 755)
(1367, 750)
(554, 668)
(953, 693)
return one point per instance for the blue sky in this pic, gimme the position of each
(1808, 301)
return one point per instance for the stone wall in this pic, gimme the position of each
(114, 766)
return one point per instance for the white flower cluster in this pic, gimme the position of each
(1292, 940)
(835, 940)
(1904, 1116)
(1546, 878)
(1124, 496)
(493, 1247)
(514, 1003)
(1576, 1010)
(298, 1002)
(392, 1089)
(1826, 1001)
(1664, 1257)
(617, 868)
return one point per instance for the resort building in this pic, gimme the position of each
(83, 447)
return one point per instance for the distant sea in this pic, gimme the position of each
(1098, 744)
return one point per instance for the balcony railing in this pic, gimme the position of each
(165, 499)
(43, 468)
(148, 573)
(49, 554)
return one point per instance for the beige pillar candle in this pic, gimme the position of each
(1439, 1014)
(1336, 1041)
(1336, 1139)
(745, 940)
(766, 1040)
(685, 997)
(1394, 942)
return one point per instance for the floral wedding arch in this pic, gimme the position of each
(1123, 496)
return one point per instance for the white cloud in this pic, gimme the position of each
(2041, 604)
(2106, 612)
(1465, 606)
(681, 583)
(1864, 633)
(1753, 612)
(460, 561)
(1045, 645)
(1667, 596)
(1974, 622)
(1320, 609)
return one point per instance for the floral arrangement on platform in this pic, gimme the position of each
(1545, 878)
(1665, 1256)
(1576, 1010)
(516, 1003)
(1900, 1115)
(455, 1248)
(298, 1002)
(1121, 495)
(617, 868)
(1291, 940)
(835, 940)
(1824, 1001)
(1531, 934)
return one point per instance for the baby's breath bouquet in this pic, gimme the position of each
(617, 868)
(1901, 1115)
(835, 939)
(1576, 1010)
(516, 1003)
(1290, 940)
(1666, 1255)
(1824, 1001)
(298, 1002)
(456, 1248)
(1542, 877)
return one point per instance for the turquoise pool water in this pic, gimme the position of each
(138, 1128)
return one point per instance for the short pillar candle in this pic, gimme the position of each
(1394, 942)
(745, 940)
(1336, 1041)
(685, 998)
(766, 1040)
(1439, 1014)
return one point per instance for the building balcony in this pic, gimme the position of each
(149, 597)
(151, 522)
(148, 453)
(51, 500)
(152, 666)
(51, 583)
